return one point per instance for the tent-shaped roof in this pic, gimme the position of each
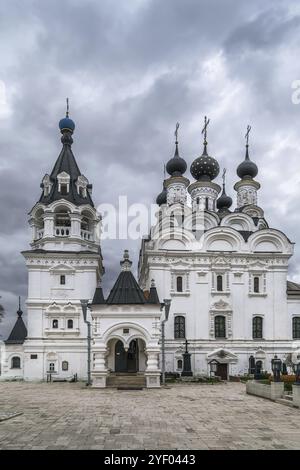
(19, 331)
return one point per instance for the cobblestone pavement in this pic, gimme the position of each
(70, 416)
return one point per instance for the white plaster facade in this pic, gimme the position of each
(229, 266)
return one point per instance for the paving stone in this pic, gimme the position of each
(193, 416)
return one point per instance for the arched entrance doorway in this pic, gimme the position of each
(127, 361)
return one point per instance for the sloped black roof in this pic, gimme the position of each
(153, 296)
(293, 288)
(66, 162)
(19, 332)
(98, 296)
(126, 290)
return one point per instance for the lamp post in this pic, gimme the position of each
(276, 368)
(84, 306)
(166, 305)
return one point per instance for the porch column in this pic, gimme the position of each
(152, 372)
(99, 372)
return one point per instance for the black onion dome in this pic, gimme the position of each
(176, 166)
(224, 201)
(247, 167)
(162, 197)
(205, 168)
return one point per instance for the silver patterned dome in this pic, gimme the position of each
(205, 168)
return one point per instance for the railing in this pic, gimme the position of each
(86, 235)
(62, 231)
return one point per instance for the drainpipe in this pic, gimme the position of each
(166, 305)
(84, 306)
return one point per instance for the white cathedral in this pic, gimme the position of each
(225, 272)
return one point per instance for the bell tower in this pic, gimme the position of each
(64, 265)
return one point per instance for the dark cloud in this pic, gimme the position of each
(131, 70)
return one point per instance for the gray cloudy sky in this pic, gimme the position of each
(131, 69)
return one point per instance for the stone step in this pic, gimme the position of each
(123, 380)
(286, 396)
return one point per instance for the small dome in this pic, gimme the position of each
(247, 167)
(162, 197)
(205, 167)
(176, 166)
(66, 123)
(224, 201)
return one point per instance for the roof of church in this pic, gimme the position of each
(19, 331)
(66, 163)
(126, 289)
(293, 288)
(98, 296)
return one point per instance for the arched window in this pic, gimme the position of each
(256, 284)
(179, 364)
(62, 222)
(179, 327)
(257, 327)
(219, 283)
(16, 362)
(70, 324)
(220, 327)
(206, 203)
(296, 328)
(65, 365)
(54, 323)
(179, 283)
(51, 367)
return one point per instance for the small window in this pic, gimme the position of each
(179, 283)
(179, 364)
(256, 284)
(51, 367)
(16, 362)
(70, 324)
(33, 356)
(179, 327)
(55, 324)
(296, 328)
(219, 283)
(125, 331)
(197, 201)
(82, 192)
(62, 280)
(220, 327)
(64, 189)
(65, 365)
(206, 203)
(257, 328)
